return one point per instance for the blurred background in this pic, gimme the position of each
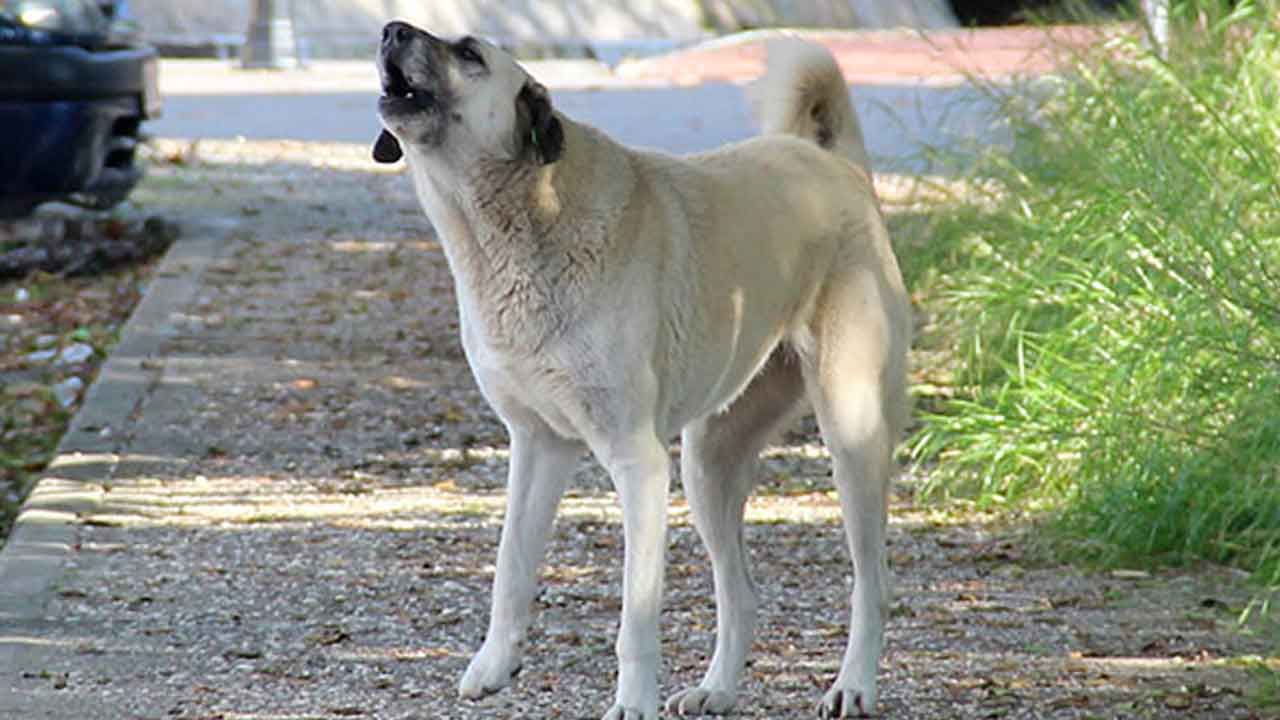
(606, 29)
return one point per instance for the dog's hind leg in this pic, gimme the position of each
(718, 462)
(855, 375)
(541, 465)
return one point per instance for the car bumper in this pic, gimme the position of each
(66, 73)
(70, 119)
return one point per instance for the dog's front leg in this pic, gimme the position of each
(541, 464)
(641, 474)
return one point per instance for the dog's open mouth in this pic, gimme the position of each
(396, 86)
(394, 83)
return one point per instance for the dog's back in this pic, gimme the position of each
(803, 93)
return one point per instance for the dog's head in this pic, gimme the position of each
(466, 94)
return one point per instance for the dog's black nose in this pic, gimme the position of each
(396, 33)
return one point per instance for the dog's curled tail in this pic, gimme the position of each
(803, 93)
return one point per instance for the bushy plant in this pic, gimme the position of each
(1106, 314)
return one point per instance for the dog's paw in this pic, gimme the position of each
(846, 703)
(701, 701)
(618, 712)
(488, 673)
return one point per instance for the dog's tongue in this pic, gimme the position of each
(386, 149)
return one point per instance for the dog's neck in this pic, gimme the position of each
(519, 273)
(513, 206)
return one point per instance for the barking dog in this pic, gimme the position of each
(614, 298)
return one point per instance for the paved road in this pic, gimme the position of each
(335, 102)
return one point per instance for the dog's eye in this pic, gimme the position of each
(466, 53)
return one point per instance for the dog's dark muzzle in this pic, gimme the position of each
(407, 62)
(396, 33)
(404, 47)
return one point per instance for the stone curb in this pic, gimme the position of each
(44, 533)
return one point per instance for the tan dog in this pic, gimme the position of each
(617, 297)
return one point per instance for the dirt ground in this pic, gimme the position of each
(306, 519)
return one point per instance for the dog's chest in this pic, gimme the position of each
(525, 384)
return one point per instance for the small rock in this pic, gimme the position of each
(68, 391)
(74, 354)
(41, 356)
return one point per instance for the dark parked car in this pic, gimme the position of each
(75, 86)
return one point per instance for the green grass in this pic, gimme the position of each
(1103, 317)
(1264, 689)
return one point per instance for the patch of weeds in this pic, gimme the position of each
(57, 333)
(1100, 317)
(1263, 693)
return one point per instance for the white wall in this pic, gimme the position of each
(731, 15)
(537, 20)
(540, 21)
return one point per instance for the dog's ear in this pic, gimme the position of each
(386, 149)
(540, 129)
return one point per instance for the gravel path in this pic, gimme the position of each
(304, 508)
